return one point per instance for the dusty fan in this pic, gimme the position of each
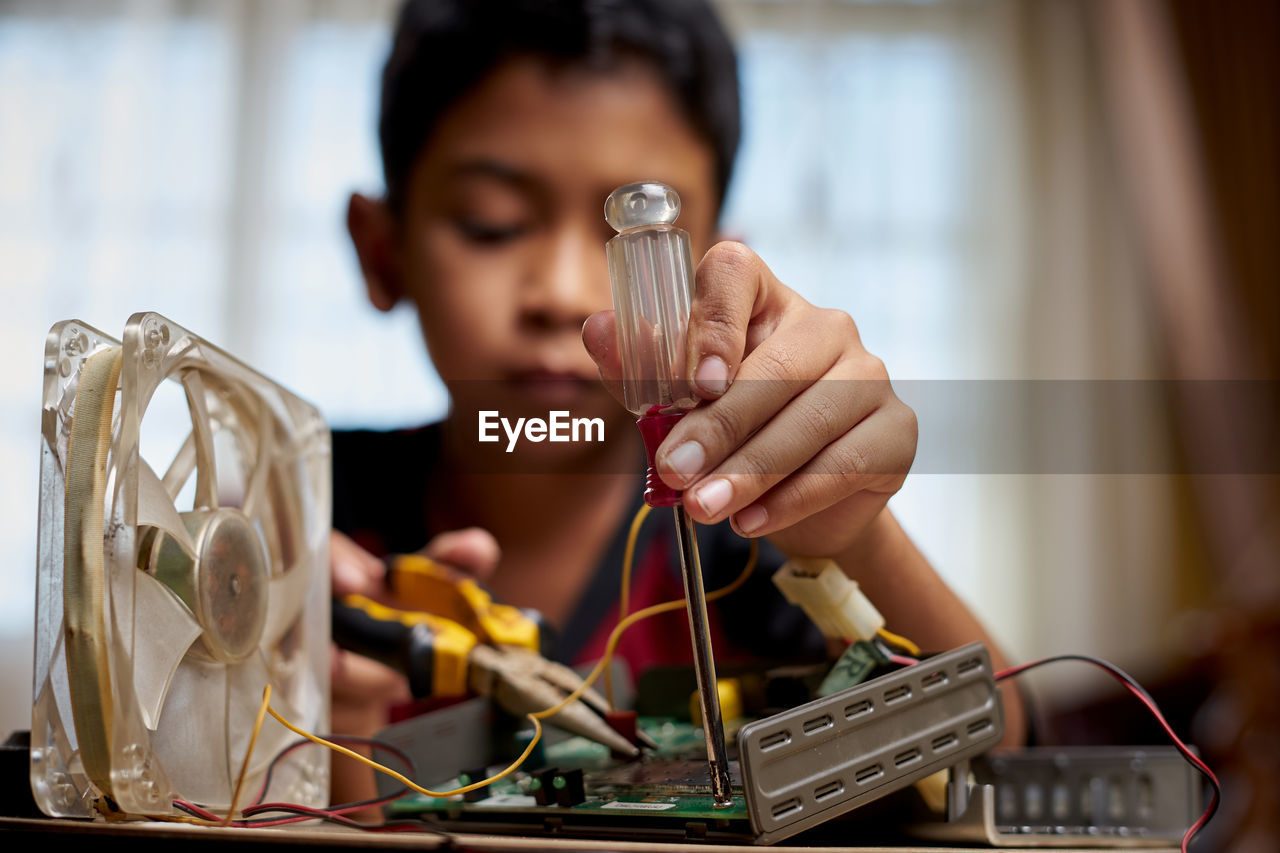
(170, 592)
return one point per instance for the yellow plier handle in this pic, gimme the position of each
(457, 640)
(423, 584)
(432, 650)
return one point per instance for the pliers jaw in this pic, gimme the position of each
(523, 682)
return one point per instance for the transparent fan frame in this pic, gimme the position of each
(154, 350)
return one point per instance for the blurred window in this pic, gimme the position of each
(195, 158)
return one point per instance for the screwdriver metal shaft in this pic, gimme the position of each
(704, 664)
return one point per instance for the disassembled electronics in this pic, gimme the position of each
(651, 270)
(798, 768)
(168, 598)
(1071, 797)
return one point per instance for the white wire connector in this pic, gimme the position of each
(828, 597)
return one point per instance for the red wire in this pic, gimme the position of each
(258, 808)
(1142, 696)
(302, 813)
(197, 811)
(262, 791)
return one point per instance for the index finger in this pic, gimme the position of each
(732, 287)
(473, 550)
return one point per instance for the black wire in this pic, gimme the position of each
(186, 808)
(1109, 667)
(411, 771)
(257, 806)
(342, 820)
(1190, 757)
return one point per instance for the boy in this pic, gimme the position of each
(504, 126)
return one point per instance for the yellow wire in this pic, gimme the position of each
(404, 780)
(897, 640)
(610, 648)
(253, 741)
(667, 606)
(628, 557)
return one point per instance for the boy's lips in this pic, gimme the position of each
(553, 386)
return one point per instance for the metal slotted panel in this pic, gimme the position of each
(807, 765)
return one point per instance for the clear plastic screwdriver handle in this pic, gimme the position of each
(651, 269)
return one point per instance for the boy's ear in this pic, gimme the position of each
(372, 230)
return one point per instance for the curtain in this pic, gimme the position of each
(1193, 92)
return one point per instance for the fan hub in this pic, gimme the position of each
(225, 585)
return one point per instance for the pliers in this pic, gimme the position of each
(452, 639)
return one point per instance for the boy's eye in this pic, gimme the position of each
(491, 233)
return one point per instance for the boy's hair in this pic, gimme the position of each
(443, 48)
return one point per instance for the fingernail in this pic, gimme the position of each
(712, 375)
(714, 496)
(686, 460)
(751, 519)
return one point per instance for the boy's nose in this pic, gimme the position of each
(569, 281)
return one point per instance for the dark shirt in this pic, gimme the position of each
(380, 500)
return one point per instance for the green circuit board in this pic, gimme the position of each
(665, 793)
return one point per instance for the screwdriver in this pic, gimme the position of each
(651, 271)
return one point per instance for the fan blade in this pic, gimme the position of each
(171, 629)
(245, 683)
(256, 487)
(180, 468)
(287, 594)
(156, 509)
(191, 739)
(202, 429)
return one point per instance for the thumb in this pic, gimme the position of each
(600, 337)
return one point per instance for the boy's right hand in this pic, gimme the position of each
(363, 690)
(353, 570)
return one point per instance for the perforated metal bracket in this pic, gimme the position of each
(1096, 796)
(812, 763)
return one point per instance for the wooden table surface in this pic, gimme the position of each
(189, 838)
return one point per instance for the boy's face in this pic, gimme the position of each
(501, 240)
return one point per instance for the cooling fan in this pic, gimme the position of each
(168, 598)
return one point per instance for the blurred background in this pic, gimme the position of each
(1036, 192)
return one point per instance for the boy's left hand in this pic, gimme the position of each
(801, 439)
